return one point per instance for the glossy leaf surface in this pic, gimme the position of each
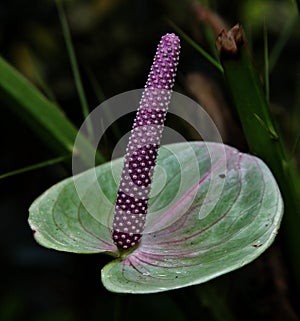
(212, 210)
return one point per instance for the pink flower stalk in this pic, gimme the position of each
(141, 153)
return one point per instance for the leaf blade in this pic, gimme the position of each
(43, 116)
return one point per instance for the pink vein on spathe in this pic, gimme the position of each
(161, 221)
(202, 230)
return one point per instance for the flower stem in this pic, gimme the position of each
(202, 303)
(30, 168)
(121, 307)
(74, 65)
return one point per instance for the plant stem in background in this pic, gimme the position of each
(74, 65)
(101, 98)
(210, 295)
(189, 40)
(281, 42)
(49, 162)
(210, 304)
(262, 136)
(297, 2)
(212, 25)
(121, 307)
(267, 66)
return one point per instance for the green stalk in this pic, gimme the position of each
(282, 40)
(207, 297)
(261, 134)
(121, 307)
(43, 116)
(297, 2)
(30, 168)
(210, 295)
(74, 65)
(267, 67)
(190, 41)
(101, 97)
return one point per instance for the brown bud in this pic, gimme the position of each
(229, 42)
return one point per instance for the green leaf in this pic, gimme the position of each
(42, 115)
(212, 210)
(264, 139)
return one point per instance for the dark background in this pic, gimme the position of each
(115, 42)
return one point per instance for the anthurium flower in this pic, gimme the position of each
(210, 210)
